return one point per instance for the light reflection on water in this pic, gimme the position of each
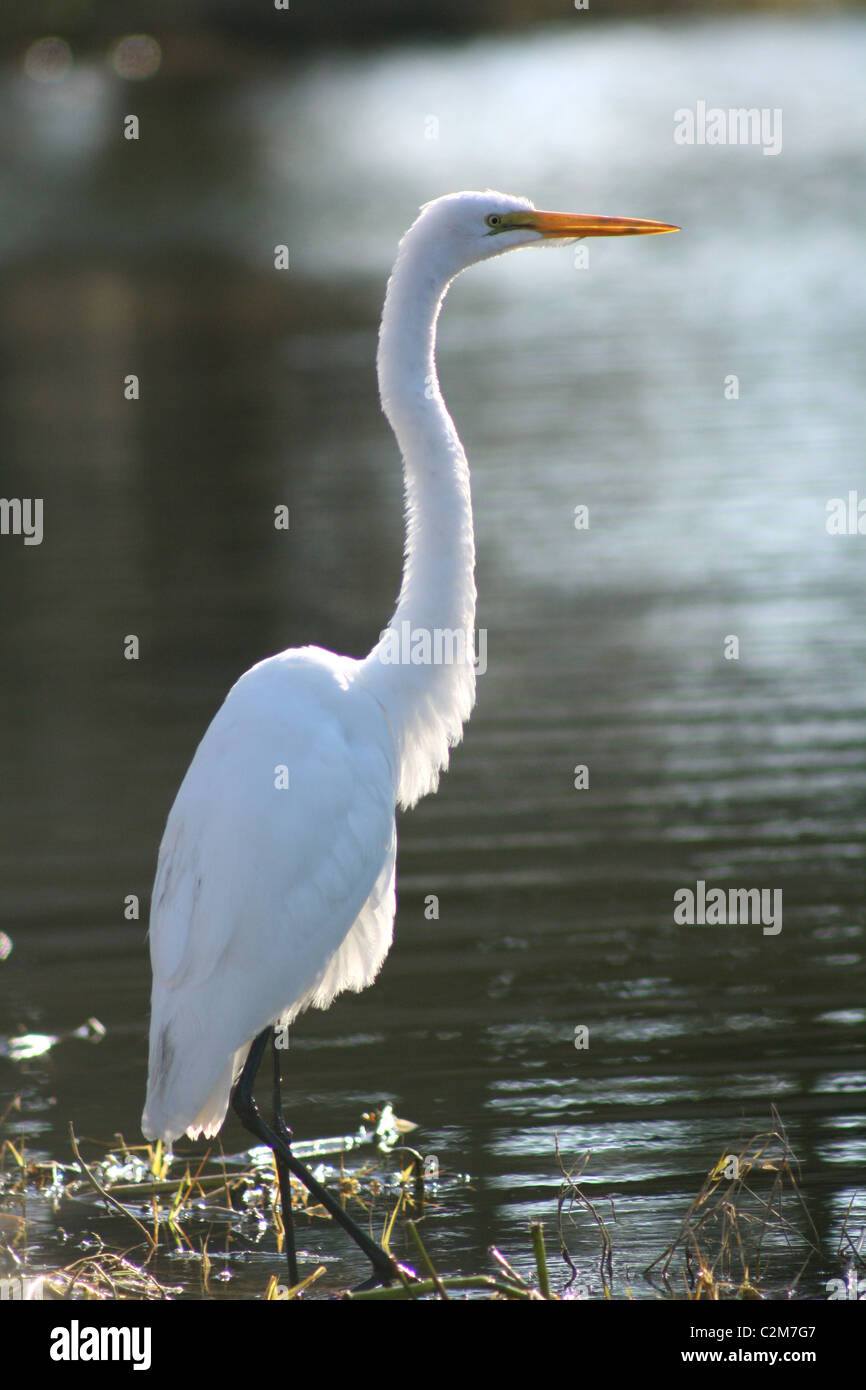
(601, 387)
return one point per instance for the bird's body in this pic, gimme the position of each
(240, 855)
(275, 883)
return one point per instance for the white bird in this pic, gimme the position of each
(274, 889)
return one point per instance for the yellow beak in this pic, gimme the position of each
(567, 224)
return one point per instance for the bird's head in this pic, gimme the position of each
(463, 228)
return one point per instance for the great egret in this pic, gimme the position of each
(274, 889)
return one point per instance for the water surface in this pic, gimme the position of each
(600, 386)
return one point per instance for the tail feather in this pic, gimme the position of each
(179, 1075)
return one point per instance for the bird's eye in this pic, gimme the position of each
(494, 220)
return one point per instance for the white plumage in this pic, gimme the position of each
(270, 898)
(262, 905)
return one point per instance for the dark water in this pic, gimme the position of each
(600, 386)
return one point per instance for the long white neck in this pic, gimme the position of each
(422, 669)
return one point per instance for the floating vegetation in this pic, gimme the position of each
(749, 1212)
(211, 1214)
(29, 1045)
(508, 1285)
(210, 1211)
(104, 1275)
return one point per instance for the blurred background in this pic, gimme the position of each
(700, 394)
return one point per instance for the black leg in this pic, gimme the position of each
(249, 1115)
(283, 1174)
